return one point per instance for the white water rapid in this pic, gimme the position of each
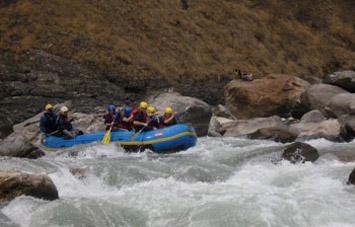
(220, 182)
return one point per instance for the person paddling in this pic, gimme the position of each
(111, 118)
(153, 119)
(140, 121)
(168, 119)
(65, 127)
(48, 122)
(126, 120)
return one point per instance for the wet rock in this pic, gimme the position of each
(341, 104)
(273, 95)
(277, 134)
(343, 79)
(5, 126)
(215, 127)
(347, 128)
(245, 127)
(16, 146)
(79, 172)
(328, 129)
(222, 111)
(14, 184)
(318, 96)
(189, 110)
(351, 179)
(88, 122)
(312, 116)
(300, 152)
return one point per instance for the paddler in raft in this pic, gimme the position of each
(126, 119)
(140, 122)
(153, 119)
(48, 122)
(65, 128)
(168, 119)
(111, 118)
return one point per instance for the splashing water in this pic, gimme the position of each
(220, 182)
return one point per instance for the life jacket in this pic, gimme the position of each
(48, 123)
(124, 124)
(141, 116)
(63, 123)
(154, 121)
(108, 119)
(170, 123)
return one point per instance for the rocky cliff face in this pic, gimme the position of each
(95, 52)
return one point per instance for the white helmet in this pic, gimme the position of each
(64, 109)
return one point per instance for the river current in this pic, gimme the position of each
(220, 182)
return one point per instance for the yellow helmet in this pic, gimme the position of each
(151, 109)
(168, 110)
(48, 107)
(143, 105)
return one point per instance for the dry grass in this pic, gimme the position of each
(157, 38)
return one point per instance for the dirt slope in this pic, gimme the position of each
(159, 38)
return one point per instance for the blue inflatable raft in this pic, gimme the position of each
(171, 139)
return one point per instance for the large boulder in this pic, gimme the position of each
(277, 134)
(16, 146)
(328, 129)
(215, 127)
(222, 111)
(273, 95)
(318, 96)
(347, 127)
(351, 179)
(341, 104)
(245, 127)
(343, 79)
(313, 116)
(189, 110)
(14, 184)
(300, 152)
(5, 126)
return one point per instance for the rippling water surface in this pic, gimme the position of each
(220, 182)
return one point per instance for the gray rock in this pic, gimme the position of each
(300, 152)
(313, 116)
(318, 96)
(14, 184)
(341, 104)
(277, 134)
(272, 95)
(343, 79)
(215, 127)
(16, 146)
(328, 129)
(245, 127)
(222, 111)
(347, 128)
(189, 110)
(351, 179)
(5, 126)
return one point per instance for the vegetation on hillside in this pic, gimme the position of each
(165, 39)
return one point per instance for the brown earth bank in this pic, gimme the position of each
(96, 52)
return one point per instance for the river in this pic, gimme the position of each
(220, 182)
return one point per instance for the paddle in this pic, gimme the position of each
(107, 136)
(139, 132)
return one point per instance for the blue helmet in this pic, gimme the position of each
(127, 111)
(111, 108)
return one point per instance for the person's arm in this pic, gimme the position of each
(169, 119)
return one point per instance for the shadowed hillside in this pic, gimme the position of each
(117, 51)
(160, 38)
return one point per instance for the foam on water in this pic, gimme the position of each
(205, 186)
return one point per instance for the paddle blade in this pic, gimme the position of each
(107, 137)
